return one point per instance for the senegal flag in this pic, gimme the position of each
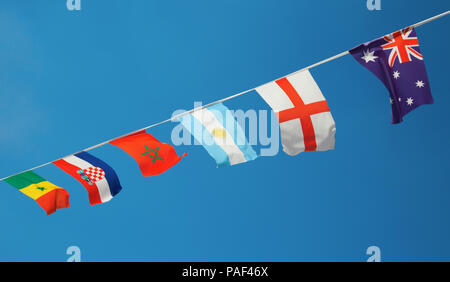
(49, 196)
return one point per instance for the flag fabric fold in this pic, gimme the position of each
(397, 61)
(152, 156)
(217, 130)
(306, 123)
(49, 196)
(99, 179)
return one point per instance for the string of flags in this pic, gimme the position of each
(305, 119)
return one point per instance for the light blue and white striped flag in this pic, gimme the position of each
(217, 130)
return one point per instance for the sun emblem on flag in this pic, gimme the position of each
(219, 133)
(400, 43)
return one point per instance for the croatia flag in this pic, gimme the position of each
(99, 179)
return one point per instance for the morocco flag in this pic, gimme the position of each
(152, 156)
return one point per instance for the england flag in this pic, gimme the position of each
(305, 120)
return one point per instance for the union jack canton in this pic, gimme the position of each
(396, 60)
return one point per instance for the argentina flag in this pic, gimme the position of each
(217, 130)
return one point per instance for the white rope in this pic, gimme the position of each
(221, 100)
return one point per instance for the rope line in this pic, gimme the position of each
(221, 100)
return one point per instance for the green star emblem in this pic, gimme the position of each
(41, 188)
(149, 152)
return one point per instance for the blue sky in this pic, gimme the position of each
(71, 79)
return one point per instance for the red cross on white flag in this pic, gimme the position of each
(305, 120)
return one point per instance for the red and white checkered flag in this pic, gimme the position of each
(95, 173)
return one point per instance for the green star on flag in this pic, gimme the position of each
(149, 151)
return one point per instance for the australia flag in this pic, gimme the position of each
(396, 60)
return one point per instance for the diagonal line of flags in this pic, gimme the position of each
(306, 123)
